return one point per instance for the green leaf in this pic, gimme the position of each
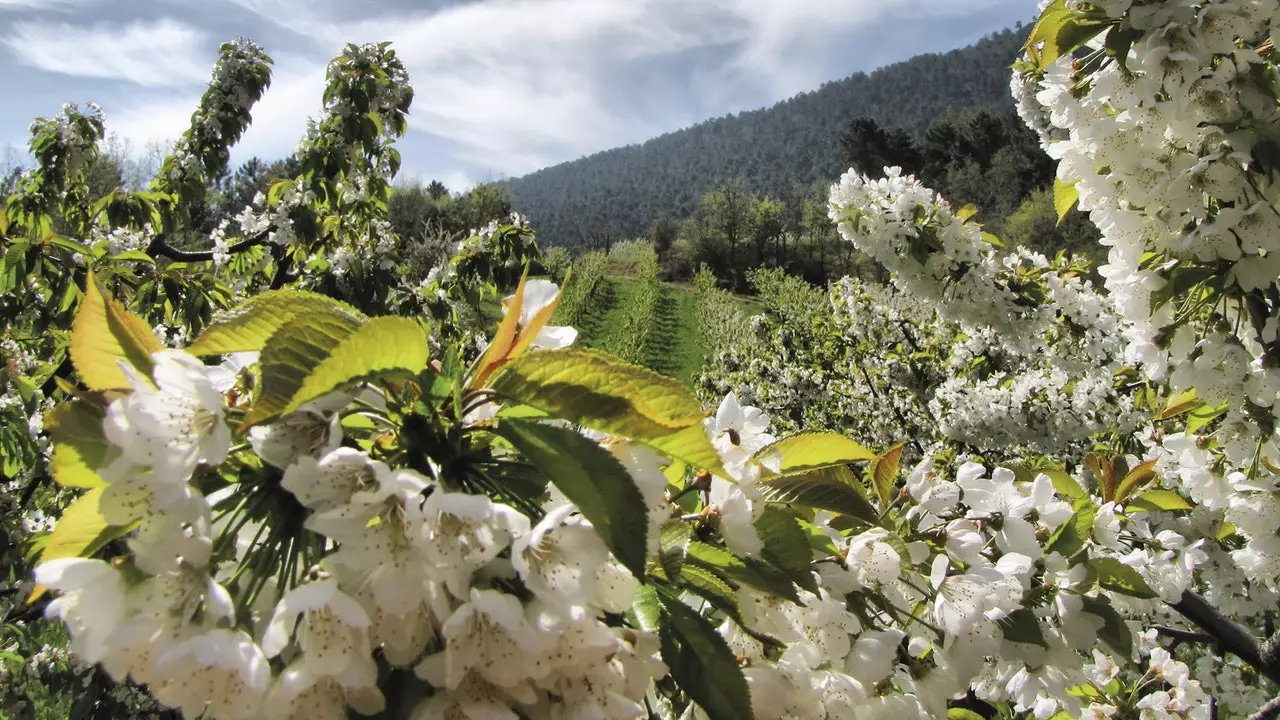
(79, 447)
(599, 391)
(1204, 415)
(105, 332)
(819, 489)
(132, 256)
(1183, 403)
(673, 543)
(812, 451)
(962, 714)
(1071, 537)
(593, 479)
(1134, 479)
(966, 212)
(992, 240)
(819, 540)
(379, 346)
(1115, 631)
(1062, 30)
(786, 546)
(1066, 486)
(884, 470)
(1160, 500)
(702, 664)
(1117, 577)
(1021, 626)
(291, 354)
(749, 571)
(647, 608)
(80, 532)
(1065, 196)
(249, 326)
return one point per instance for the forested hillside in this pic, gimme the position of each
(618, 192)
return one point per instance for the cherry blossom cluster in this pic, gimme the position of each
(1166, 144)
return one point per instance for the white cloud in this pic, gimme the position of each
(164, 52)
(39, 4)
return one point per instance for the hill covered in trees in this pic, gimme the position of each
(619, 192)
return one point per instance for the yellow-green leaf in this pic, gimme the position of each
(291, 354)
(966, 212)
(1117, 577)
(1136, 478)
(884, 470)
(105, 332)
(1065, 196)
(810, 451)
(1160, 500)
(379, 346)
(79, 447)
(600, 391)
(249, 326)
(1065, 485)
(80, 532)
(1183, 403)
(820, 489)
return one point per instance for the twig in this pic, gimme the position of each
(1270, 711)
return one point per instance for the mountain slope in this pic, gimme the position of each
(618, 192)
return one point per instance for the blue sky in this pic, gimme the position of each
(502, 87)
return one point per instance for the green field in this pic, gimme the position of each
(676, 346)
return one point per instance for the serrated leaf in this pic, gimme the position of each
(1117, 577)
(673, 543)
(249, 326)
(786, 546)
(1115, 632)
(81, 531)
(749, 571)
(290, 355)
(710, 587)
(1134, 479)
(593, 479)
(601, 391)
(1065, 197)
(1021, 626)
(1062, 30)
(811, 451)
(604, 393)
(105, 332)
(1072, 535)
(379, 346)
(702, 664)
(818, 489)
(884, 470)
(1160, 500)
(79, 446)
(647, 608)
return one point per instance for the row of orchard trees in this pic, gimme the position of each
(337, 497)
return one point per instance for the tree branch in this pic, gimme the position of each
(1186, 635)
(1229, 636)
(160, 247)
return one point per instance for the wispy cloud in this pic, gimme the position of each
(164, 52)
(39, 4)
(502, 87)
